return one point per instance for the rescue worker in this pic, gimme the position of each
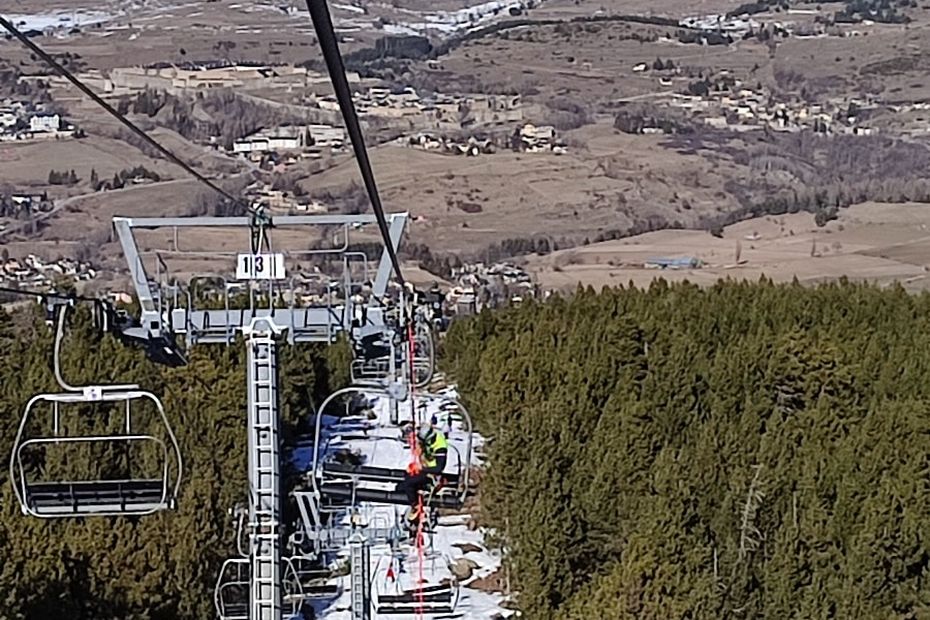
(426, 470)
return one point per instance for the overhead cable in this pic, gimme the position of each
(45, 56)
(323, 24)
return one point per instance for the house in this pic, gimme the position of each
(327, 136)
(536, 139)
(33, 202)
(310, 206)
(45, 123)
(328, 103)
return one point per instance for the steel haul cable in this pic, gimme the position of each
(323, 24)
(421, 517)
(50, 295)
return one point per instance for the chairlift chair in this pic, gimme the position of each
(438, 599)
(231, 594)
(47, 427)
(379, 361)
(348, 484)
(56, 431)
(424, 354)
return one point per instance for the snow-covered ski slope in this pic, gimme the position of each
(452, 548)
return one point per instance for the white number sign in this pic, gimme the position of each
(260, 267)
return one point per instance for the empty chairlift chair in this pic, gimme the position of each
(131, 460)
(94, 450)
(381, 358)
(424, 355)
(372, 361)
(400, 595)
(231, 593)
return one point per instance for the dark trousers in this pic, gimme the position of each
(413, 484)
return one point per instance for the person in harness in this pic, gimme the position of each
(426, 470)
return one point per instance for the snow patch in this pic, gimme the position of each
(378, 442)
(59, 19)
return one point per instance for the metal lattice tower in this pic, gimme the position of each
(264, 473)
(359, 558)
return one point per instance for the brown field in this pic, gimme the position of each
(261, 32)
(593, 64)
(177, 31)
(29, 163)
(880, 243)
(570, 196)
(671, 8)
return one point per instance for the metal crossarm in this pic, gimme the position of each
(159, 323)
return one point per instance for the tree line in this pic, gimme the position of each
(748, 450)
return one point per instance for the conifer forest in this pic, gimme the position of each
(748, 450)
(742, 451)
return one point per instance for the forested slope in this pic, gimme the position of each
(156, 567)
(742, 451)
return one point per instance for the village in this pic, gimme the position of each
(724, 102)
(38, 274)
(25, 120)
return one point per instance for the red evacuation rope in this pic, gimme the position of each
(411, 348)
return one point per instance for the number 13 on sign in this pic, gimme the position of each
(260, 267)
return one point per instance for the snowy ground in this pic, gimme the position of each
(350, 16)
(59, 19)
(379, 443)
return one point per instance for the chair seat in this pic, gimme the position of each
(380, 496)
(95, 497)
(377, 474)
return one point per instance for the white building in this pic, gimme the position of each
(288, 138)
(327, 136)
(45, 122)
